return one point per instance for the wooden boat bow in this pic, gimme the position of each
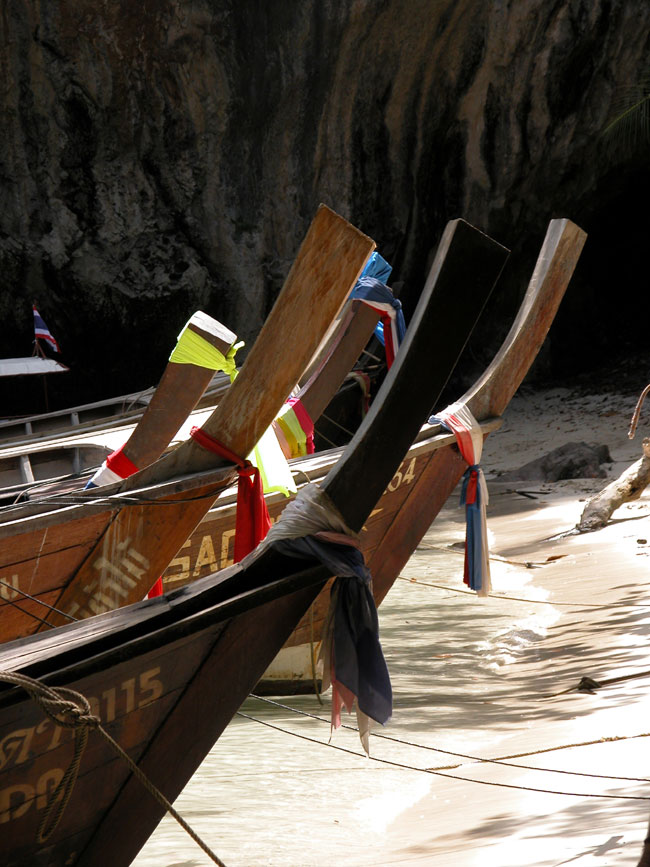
(175, 669)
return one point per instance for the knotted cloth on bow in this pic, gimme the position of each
(377, 295)
(458, 419)
(353, 662)
(297, 427)
(190, 348)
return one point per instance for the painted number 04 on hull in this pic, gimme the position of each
(401, 478)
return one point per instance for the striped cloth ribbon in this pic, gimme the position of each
(379, 297)
(474, 494)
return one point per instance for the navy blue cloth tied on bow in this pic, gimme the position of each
(372, 287)
(357, 662)
(378, 296)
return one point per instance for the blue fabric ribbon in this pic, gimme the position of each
(474, 576)
(378, 267)
(372, 289)
(473, 542)
(360, 663)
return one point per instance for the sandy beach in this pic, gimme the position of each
(492, 756)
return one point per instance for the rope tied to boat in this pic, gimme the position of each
(70, 709)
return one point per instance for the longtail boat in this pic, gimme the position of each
(166, 675)
(114, 536)
(87, 418)
(49, 549)
(421, 485)
(58, 458)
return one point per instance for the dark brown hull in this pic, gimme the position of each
(170, 673)
(423, 484)
(148, 693)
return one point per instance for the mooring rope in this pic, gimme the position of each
(111, 502)
(37, 601)
(421, 583)
(71, 709)
(438, 773)
(501, 760)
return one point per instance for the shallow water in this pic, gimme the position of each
(274, 792)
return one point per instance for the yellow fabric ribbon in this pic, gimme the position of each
(191, 348)
(269, 458)
(292, 429)
(267, 455)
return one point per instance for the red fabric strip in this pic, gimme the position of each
(252, 522)
(388, 340)
(156, 590)
(118, 463)
(472, 485)
(212, 445)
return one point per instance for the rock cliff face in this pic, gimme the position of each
(163, 156)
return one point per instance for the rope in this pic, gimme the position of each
(124, 501)
(332, 421)
(34, 599)
(502, 760)
(517, 598)
(437, 773)
(71, 709)
(67, 709)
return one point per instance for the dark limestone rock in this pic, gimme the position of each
(570, 461)
(161, 156)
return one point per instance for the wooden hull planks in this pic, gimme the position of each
(435, 482)
(234, 623)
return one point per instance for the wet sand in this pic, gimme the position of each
(473, 679)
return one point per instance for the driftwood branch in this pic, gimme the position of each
(629, 486)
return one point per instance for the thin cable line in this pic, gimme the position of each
(440, 774)
(521, 598)
(33, 599)
(480, 759)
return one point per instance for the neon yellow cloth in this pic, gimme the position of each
(269, 458)
(267, 455)
(292, 429)
(191, 348)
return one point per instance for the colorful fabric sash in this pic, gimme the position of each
(270, 460)
(379, 297)
(115, 468)
(474, 494)
(378, 267)
(191, 348)
(252, 522)
(297, 428)
(353, 662)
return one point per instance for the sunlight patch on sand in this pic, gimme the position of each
(378, 812)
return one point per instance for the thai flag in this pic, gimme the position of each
(42, 332)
